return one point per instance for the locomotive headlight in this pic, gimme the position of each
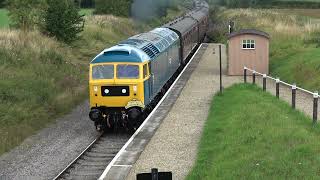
(95, 89)
(135, 89)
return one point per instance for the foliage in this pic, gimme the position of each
(115, 7)
(4, 19)
(250, 134)
(63, 20)
(86, 3)
(2, 3)
(25, 14)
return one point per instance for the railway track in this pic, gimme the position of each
(93, 160)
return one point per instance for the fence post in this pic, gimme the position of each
(245, 74)
(220, 63)
(294, 91)
(315, 107)
(154, 174)
(277, 87)
(253, 77)
(264, 82)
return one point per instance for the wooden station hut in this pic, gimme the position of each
(249, 48)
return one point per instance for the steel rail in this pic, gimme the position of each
(77, 158)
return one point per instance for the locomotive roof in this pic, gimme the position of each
(139, 48)
(184, 23)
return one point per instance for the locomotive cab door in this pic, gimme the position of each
(151, 81)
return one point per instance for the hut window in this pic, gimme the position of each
(248, 44)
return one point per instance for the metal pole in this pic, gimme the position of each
(277, 87)
(253, 77)
(294, 91)
(264, 82)
(154, 174)
(245, 75)
(315, 107)
(220, 68)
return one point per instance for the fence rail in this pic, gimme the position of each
(294, 89)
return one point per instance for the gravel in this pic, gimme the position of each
(45, 154)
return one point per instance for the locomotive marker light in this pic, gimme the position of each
(95, 88)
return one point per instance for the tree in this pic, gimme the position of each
(62, 20)
(2, 3)
(115, 7)
(25, 14)
(87, 3)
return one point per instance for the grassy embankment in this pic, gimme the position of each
(294, 55)
(4, 20)
(41, 79)
(267, 140)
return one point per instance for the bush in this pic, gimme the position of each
(62, 20)
(25, 14)
(115, 7)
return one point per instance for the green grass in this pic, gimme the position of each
(313, 13)
(250, 134)
(86, 12)
(4, 19)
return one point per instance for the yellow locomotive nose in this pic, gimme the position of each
(115, 95)
(119, 90)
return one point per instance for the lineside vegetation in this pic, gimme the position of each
(267, 140)
(42, 78)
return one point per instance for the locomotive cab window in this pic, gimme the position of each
(103, 72)
(127, 71)
(248, 44)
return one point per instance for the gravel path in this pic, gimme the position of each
(43, 155)
(304, 101)
(174, 145)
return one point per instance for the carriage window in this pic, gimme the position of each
(103, 72)
(248, 44)
(145, 70)
(128, 71)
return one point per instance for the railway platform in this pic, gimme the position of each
(168, 139)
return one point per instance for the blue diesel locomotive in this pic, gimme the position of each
(125, 79)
